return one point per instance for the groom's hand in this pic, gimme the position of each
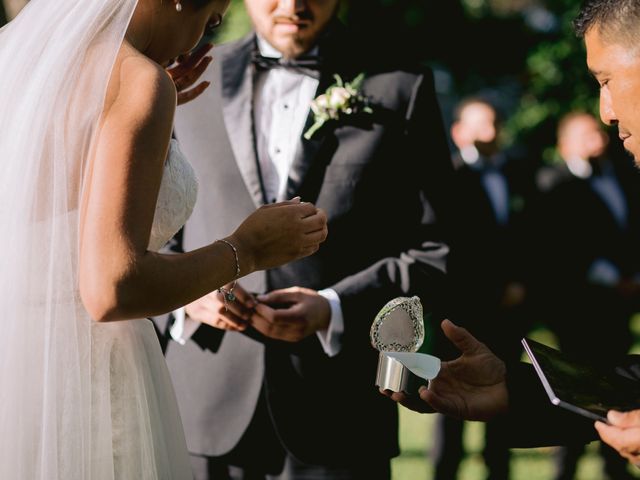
(291, 314)
(211, 310)
(623, 434)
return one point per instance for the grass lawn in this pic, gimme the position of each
(526, 464)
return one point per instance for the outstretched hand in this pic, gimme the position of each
(187, 70)
(471, 387)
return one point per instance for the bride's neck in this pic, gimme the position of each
(140, 35)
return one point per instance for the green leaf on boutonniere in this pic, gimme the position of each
(338, 101)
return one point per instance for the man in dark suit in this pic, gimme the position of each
(489, 245)
(477, 385)
(260, 379)
(591, 209)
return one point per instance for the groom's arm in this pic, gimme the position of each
(419, 269)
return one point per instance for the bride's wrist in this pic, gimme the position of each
(244, 254)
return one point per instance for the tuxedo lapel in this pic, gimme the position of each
(237, 99)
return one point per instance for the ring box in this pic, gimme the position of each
(394, 376)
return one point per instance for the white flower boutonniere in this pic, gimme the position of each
(341, 99)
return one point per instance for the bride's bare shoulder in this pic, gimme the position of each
(139, 86)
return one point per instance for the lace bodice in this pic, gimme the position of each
(176, 198)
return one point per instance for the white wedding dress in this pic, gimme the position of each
(79, 400)
(134, 403)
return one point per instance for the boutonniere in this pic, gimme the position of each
(340, 100)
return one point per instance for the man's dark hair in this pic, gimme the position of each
(617, 20)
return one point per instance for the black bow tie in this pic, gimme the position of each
(310, 65)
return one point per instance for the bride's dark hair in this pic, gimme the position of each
(200, 3)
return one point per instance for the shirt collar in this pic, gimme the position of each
(579, 167)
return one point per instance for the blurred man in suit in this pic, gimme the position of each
(486, 265)
(258, 377)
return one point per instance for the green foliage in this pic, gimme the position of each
(235, 25)
(556, 81)
(523, 53)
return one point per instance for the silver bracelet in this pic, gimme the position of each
(227, 295)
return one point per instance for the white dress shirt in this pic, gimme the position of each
(281, 103)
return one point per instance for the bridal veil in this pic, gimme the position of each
(55, 62)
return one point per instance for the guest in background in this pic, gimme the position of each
(589, 227)
(486, 264)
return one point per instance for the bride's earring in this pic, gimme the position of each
(178, 6)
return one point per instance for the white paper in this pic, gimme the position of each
(420, 364)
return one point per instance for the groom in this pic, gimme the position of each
(282, 383)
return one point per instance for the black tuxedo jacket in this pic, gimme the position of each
(383, 181)
(486, 256)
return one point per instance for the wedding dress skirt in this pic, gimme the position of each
(134, 411)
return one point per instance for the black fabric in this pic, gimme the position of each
(533, 421)
(310, 65)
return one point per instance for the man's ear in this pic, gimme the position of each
(457, 135)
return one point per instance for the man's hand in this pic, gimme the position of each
(291, 314)
(623, 434)
(471, 387)
(211, 310)
(187, 69)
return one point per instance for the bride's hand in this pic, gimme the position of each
(279, 233)
(212, 310)
(187, 69)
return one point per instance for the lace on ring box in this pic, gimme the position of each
(397, 333)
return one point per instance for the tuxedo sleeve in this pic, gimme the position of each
(418, 268)
(533, 421)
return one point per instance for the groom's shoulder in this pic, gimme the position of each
(395, 70)
(399, 78)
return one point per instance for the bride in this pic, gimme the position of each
(91, 185)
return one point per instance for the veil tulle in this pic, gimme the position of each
(55, 62)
